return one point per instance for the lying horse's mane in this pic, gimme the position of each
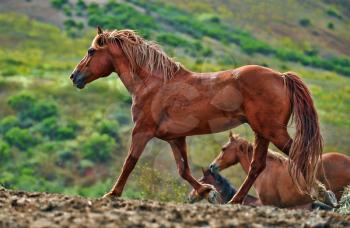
(226, 189)
(140, 52)
(248, 148)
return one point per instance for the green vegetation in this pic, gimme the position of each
(344, 203)
(334, 13)
(330, 25)
(305, 22)
(59, 3)
(55, 138)
(98, 148)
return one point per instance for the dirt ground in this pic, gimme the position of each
(23, 209)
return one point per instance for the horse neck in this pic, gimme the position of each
(245, 157)
(143, 81)
(123, 69)
(224, 187)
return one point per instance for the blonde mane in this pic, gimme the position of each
(248, 148)
(139, 52)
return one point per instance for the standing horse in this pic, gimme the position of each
(274, 186)
(170, 102)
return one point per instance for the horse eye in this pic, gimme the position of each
(91, 51)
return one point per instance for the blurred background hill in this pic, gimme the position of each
(58, 139)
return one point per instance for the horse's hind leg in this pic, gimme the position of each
(280, 138)
(257, 165)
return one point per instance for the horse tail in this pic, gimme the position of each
(306, 149)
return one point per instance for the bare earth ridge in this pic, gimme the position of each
(23, 209)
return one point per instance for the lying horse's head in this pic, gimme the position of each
(223, 187)
(95, 64)
(229, 154)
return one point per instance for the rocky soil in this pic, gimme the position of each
(23, 209)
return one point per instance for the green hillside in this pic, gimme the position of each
(58, 139)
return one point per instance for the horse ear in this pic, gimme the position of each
(99, 30)
(230, 135)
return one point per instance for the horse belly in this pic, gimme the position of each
(188, 123)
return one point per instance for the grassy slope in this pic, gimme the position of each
(22, 38)
(277, 22)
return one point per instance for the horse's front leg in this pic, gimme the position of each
(139, 139)
(257, 165)
(180, 154)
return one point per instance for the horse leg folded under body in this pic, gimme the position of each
(256, 167)
(180, 154)
(138, 143)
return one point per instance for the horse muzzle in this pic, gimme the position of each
(78, 79)
(214, 168)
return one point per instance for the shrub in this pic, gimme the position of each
(65, 132)
(48, 127)
(43, 109)
(81, 5)
(58, 3)
(305, 22)
(194, 48)
(7, 123)
(251, 46)
(98, 147)
(21, 102)
(109, 127)
(209, 18)
(330, 25)
(334, 13)
(4, 151)
(67, 10)
(20, 138)
(51, 128)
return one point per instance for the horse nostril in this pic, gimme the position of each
(213, 168)
(71, 76)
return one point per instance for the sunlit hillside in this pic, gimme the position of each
(58, 139)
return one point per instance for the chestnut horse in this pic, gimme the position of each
(226, 191)
(170, 102)
(274, 186)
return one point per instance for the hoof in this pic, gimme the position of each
(193, 199)
(320, 206)
(234, 200)
(330, 199)
(214, 197)
(110, 195)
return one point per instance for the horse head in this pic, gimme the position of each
(224, 193)
(229, 154)
(96, 63)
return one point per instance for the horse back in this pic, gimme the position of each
(337, 171)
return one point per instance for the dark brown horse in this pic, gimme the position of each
(170, 102)
(226, 192)
(275, 186)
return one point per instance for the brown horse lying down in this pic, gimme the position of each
(226, 191)
(274, 186)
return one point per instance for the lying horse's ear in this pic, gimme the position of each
(99, 30)
(203, 171)
(230, 135)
